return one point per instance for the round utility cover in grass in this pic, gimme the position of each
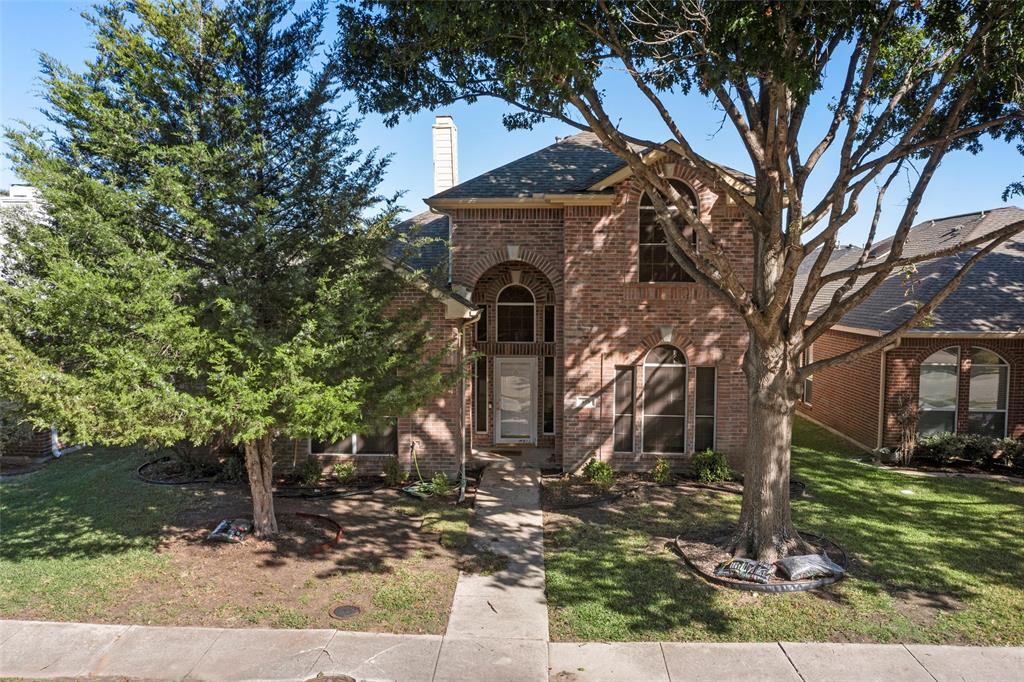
(343, 611)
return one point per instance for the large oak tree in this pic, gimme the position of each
(914, 81)
(210, 264)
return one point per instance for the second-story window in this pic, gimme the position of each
(656, 262)
(515, 314)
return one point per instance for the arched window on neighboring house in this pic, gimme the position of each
(656, 262)
(664, 425)
(938, 390)
(515, 314)
(990, 376)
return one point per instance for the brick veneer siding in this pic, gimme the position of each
(845, 397)
(587, 256)
(903, 373)
(29, 443)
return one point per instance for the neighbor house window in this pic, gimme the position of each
(515, 314)
(383, 442)
(481, 325)
(704, 408)
(549, 395)
(938, 390)
(989, 383)
(480, 395)
(656, 262)
(625, 398)
(664, 426)
(549, 324)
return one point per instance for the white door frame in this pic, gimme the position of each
(532, 362)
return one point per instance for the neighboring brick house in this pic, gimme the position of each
(964, 370)
(588, 338)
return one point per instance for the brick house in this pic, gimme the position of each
(964, 370)
(588, 338)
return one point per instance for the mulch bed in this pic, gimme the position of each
(170, 471)
(703, 551)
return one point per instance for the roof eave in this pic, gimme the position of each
(532, 200)
(932, 334)
(456, 307)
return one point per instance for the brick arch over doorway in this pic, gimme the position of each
(488, 286)
(511, 254)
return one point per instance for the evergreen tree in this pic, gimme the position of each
(212, 258)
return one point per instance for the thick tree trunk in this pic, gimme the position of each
(259, 463)
(765, 530)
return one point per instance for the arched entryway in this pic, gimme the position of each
(516, 396)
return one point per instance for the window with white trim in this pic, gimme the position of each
(807, 387)
(986, 407)
(515, 314)
(383, 442)
(549, 395)
(937, 391)
(656, 262)
(480, 395)
(664, 425)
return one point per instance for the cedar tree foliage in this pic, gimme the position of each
(211, 264)
(916, 80)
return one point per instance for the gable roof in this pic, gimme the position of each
(989, 300)
(423, 243)
(572, 165)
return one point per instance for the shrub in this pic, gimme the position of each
(662, 472)
(711, 467)
(344, 471)
(310, 472)
(942, 448)
(439, 484)
(1010, 452)
(599, 473)
(393, 474)
(983, 451)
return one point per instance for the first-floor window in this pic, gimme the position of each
(989, 383)
(382, 442)
(480, 395)
(938, 390)
(807, 389)
(549, 395)
(664, 426)
(622, 429)
(704, 407)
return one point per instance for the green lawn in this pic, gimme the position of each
(75, 533)
(934, 560)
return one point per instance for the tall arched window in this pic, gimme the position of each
(656, 262)
(989, 383)
(515, 314)
(938, 389)
(664, 425)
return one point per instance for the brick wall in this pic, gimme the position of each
(29, 442)
(903, 373)
(845, 397)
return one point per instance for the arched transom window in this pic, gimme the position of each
(989, 383)
(515, 314)
(664, 425)
(938, 390)
(656, 262)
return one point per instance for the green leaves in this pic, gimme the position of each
(212, 260)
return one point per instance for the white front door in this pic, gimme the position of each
(515, 400)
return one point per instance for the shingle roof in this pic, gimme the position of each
(571, 165)
(989, 299)
(424, 241)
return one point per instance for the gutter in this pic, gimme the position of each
(471, 321)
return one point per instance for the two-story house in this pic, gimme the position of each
(588, 338)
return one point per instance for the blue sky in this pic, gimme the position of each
(965, 183)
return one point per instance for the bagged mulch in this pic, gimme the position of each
(746, 569)
(230, 530)
(807, 566)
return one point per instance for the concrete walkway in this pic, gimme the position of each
(39, 650)
(498, 626)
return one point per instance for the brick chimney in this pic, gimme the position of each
(446, 153)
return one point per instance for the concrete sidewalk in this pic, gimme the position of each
(49, 650)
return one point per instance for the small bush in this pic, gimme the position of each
(711, 467)
(393, 474)
(310, 472)
(344, 471)
(981, 451)
(233, 470)
(439, 485)
(941, 448)
(662, 472)
(1011, 453)
(599, 473)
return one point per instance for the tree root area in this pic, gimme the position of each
(704, 551)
